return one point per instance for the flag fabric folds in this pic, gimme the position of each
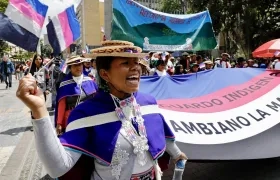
(13, 33)
(216, 96)
(213, 113)
(194, 85)
(63, 30)
(23, 22)
(157, 31)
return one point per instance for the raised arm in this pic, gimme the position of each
(55, 158)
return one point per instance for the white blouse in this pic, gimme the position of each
(58, 161)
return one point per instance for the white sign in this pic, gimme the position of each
(158, 47)
(227, 126)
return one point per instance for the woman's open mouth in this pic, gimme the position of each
(133, 79)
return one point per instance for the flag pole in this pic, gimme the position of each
(38, 52)
(39, 48)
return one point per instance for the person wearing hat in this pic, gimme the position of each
(145, 67)
(93, 71)
(185, 54)
(170, 65)
(193, 58)
(185, 60)
(208, 65)
(250, 63)
(160, 69)
(119, 134)
(73, 90)
(223, 62)
(150, 59)
(165, 57)
(194, 67)
(87, 66)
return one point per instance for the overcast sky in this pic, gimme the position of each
(57, 6)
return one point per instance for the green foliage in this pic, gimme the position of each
(27, 55)
(23, 55)
(4, 47)
(46, 50)
(246, 24)
(3, 5)
(171, 6)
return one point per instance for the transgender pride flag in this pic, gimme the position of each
(63, 30)
(23, 22)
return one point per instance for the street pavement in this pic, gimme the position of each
(12, 122)
(19, 160)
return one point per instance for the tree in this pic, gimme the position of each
(46, 50)
(3, 5)
(171, 6)
(23, 55)
(246, 24)
(27, 55)
(4, 47)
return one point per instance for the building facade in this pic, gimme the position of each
(90, 13)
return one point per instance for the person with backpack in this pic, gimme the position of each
(7, 69)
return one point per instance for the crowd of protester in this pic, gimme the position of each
(49, 74)
(156, 64)
(162, 63)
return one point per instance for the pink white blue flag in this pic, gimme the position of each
(23, 22)
(63, 30)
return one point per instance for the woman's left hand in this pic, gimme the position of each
(182, 156)
(47, 92)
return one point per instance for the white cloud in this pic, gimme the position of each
(57, 6)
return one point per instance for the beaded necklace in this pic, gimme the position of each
(127, 112)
